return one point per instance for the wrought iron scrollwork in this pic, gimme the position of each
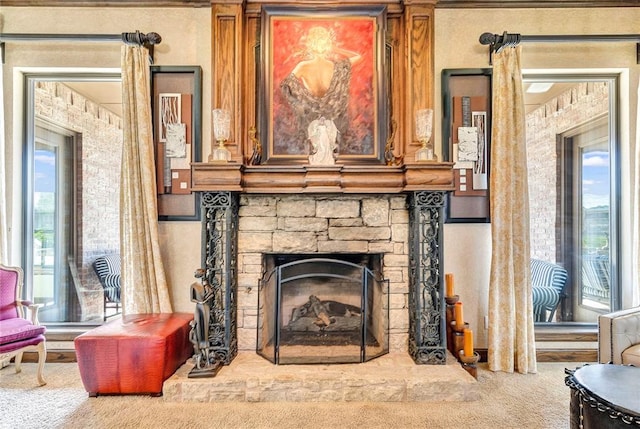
(427, 339)
(219, 261)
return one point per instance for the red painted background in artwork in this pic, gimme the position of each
(356, 34)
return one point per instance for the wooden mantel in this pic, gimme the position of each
(364, 179)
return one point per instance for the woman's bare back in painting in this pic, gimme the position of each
(317, 71)
(317, 88)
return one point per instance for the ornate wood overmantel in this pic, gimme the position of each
(235, 44)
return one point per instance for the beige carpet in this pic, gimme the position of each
(534, 401)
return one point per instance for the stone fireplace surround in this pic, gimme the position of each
(406, 229)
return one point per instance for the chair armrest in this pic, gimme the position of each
(617, 331)
(545, 296)
(33, 310)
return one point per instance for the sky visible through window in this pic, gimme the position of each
(45, 171)
(595, 179)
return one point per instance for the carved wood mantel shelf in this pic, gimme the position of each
(235, 177)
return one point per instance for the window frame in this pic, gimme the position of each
(613, 78)
(30, 78)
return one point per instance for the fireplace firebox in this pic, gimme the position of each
(322, 309)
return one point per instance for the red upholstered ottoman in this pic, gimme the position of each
(135, 354)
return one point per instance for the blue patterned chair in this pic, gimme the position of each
(108, 270)
(548, 281)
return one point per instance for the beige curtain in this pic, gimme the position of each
(511, 334)
(144, 286)
(4, 240)
(635, 292)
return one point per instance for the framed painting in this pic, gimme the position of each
(466, 135)
(177, 118)
(323, 84)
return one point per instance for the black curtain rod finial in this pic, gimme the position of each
(154, 38)
(497, 42)
(142, 39)
(488, 38)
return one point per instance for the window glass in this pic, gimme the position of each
(571, 148)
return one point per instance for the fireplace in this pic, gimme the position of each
(391, 206)
(241, 229)
(322, 309)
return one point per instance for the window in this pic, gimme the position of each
(572, 149)
(71, 202)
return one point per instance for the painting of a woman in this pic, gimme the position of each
(323, 88)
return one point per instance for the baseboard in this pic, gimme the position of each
(564, 334)
(53, 356)
(556, 355)
(567, 355)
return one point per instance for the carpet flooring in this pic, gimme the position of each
(510, 401)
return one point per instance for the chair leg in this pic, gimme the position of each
(42, 357)
(18, 362)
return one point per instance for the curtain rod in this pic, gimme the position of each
(498, 41)
(147, 40)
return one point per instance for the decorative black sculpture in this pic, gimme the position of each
(205, 363)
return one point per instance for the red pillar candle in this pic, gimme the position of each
(468, 342)
(449, 283)
(458, 314)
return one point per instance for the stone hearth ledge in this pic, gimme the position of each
(390, 378)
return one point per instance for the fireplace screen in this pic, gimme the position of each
(322, 310)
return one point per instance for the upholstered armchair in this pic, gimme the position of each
(619, 337)
(548, 281)
(17, 333)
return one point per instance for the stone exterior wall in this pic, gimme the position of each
(323, 224)
(98, 157)
(584, 102)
